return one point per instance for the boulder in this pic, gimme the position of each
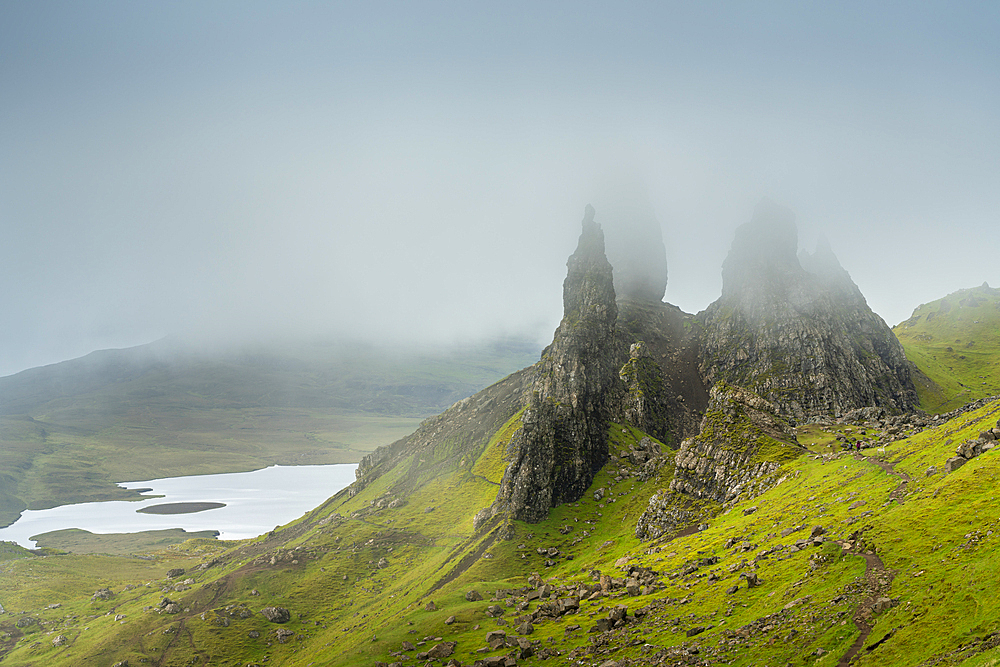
(496, 638)
(954, 464)
(276, 614)
(442, 650)
(102, 594)
(473, 596)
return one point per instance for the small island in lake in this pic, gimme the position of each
(180, 508)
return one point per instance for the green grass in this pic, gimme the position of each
(955, 341)
(80, 541)
(325, 568)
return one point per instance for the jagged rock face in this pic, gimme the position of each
(742, 440)
(742, 443)
(644, 404)
(562, 443)
(663, 394)
(808, 342)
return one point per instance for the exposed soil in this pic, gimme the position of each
(874, 569)
(877, 578)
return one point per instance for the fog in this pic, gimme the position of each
(419, 171)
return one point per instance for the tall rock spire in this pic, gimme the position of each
(562, 442)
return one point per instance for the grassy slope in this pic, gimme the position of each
(88, 424)
(347, 610)
(955, 341)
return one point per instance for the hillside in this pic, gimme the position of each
(904, 566)
(955, 342)
(658, 488)
(70, 431)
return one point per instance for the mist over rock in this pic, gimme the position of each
(823, 264)
(636, 251)
(805, 340)
(562, 443)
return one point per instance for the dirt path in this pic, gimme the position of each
(878, 579)
(899, 492)
(874, 568)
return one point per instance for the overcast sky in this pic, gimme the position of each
(420, 170)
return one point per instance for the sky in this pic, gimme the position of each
(419, 170)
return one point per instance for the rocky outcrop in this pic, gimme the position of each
(742, 444)
(804, 340)
(663, 392)
(645, 403)
(562, 442)
(742, 440)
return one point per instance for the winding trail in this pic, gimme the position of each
(899, 492)
(876, 574)
(874, 567)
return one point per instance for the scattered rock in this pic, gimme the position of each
(954, 463)
(442, 650)
(102, 594)
(276, 614)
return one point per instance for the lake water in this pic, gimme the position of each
(255, 501)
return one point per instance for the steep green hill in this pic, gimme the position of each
(70, 431)
(905, 566)
(955, 342)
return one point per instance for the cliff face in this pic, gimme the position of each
(562, 443)
(742, 442)
(806, 341)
